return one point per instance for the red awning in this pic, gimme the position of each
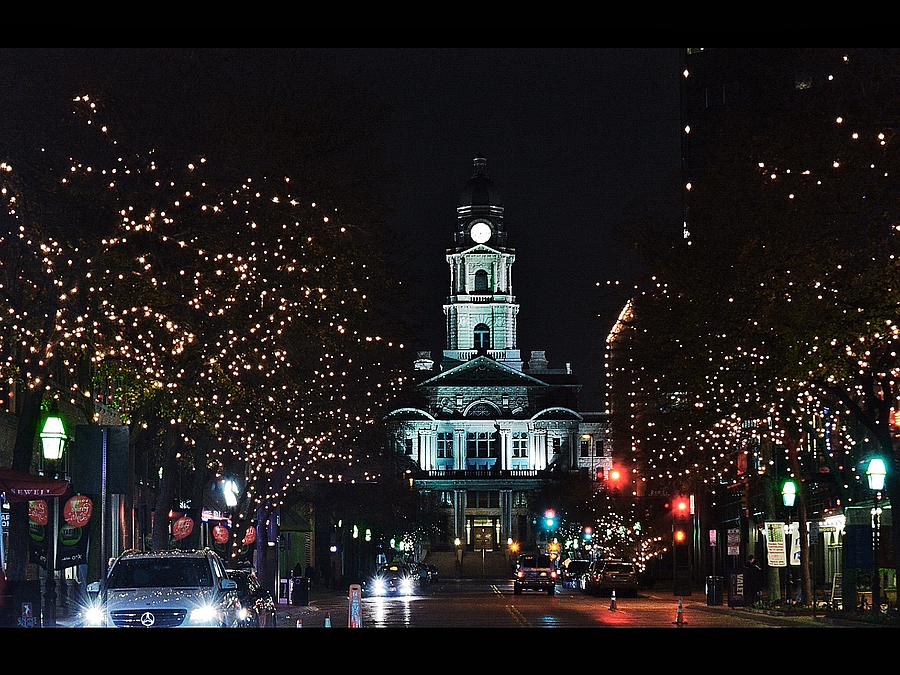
(22, 487)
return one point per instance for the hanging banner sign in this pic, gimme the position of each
(795, 543)
(734, 541)
(182, 528)
(38, 512)
(78, 510)
(220, 534)
(250, 536)
(775, 545)
(38, 532)
(72, 547)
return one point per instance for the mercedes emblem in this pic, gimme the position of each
(147, 619)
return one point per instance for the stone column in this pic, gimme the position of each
(505, 517)
(459, 448)
(505, 451)
(459, 508)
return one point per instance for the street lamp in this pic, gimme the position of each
(788, 496)
(53, 444)
(875, 474)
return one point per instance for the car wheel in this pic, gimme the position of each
(551, 590)
(517, 590)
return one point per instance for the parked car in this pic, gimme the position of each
(609, 575)
(167, 589)
(257, 606)
(393, 579)
(573, 570)
(535, 571)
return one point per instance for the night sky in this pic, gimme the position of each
(577, 141)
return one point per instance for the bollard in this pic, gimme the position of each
(299, 623)
(328, 621)
(679, 615)
(612, 602)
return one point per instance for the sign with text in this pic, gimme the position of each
(355, 616)
(775, 545)
(734, 541)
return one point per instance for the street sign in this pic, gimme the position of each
(734, 541)
(712, 537)
(355, 617)
(775, 545)
(27, 618)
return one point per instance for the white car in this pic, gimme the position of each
(169, 589)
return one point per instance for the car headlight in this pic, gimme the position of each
(243, 614)
(406, 586)
(378, 586)
(94, 615)
(205, 614)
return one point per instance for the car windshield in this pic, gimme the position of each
(393, 569)
(618, 567)
(534, 561)
(160, 573)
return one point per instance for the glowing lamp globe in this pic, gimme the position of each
(53, 437)
(875, 473)
(789, 493)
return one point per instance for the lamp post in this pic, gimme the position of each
(875, 474)
(459, 554)
(53, 445)
(788, 497)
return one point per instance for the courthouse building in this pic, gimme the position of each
(486, 427)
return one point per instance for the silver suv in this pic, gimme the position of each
(167, 589)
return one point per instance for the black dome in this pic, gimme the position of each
(480, 190)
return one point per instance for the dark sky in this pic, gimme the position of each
(577, 141)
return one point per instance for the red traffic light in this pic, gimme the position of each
(681, 507)
(680, 536)
(588, 530)
(615, 476)
(549, 513)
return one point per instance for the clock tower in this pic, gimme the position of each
(480, 313)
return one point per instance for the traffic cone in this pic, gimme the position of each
(612, 602)
(299, 623)
(679, 615)
(328, 621)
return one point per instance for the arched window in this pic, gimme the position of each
(482, 336)
(481, 280)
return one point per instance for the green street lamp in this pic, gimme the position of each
(53, 437)
(875, 474)
(788, 496)
(789, 493)
(53, 444)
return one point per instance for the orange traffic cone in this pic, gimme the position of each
(612, 602)
(328, 621)
(679, 615)
(299, 623)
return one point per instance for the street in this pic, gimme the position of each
(491, 604)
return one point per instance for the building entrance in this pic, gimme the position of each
(482, 533)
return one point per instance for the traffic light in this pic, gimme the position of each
(681, 508)
(550, 519)
(682, 544)
(601, 475)
(588, 534)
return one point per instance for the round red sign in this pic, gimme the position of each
(78, 511)
(250, 536)
(37, 512)
(182, 528)
(220, 534)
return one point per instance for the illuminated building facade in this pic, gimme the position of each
(489, 428)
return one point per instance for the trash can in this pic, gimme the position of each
(714, 587)
(300, 591)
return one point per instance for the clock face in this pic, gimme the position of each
(480, 232)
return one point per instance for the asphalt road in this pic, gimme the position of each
(474, 603)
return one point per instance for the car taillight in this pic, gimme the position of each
(521, 574)
(553, 574)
